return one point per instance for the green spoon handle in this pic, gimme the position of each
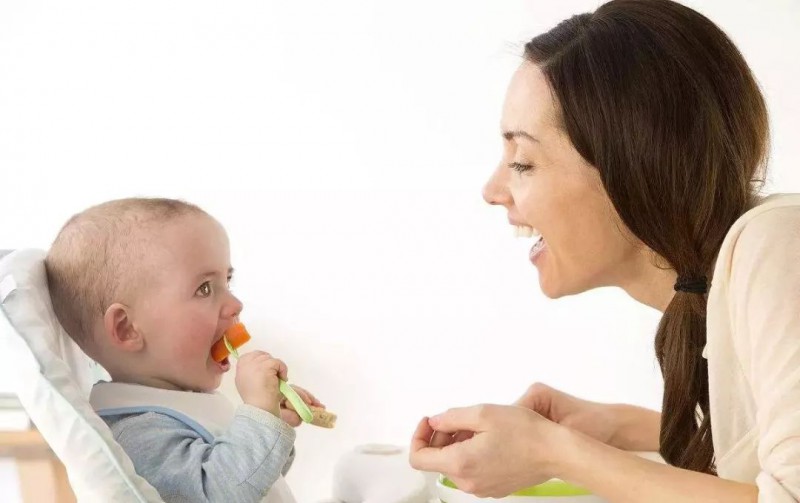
(230, 348)
(299, 405)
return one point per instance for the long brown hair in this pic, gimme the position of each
(658, 99)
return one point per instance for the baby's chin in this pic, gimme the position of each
(214, 386)
(207, 386)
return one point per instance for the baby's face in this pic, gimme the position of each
(186, 304)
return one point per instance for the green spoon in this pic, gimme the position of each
(299, 405)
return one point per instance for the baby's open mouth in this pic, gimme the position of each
(224, 365)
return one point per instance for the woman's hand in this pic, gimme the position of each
(490, 450)
(625, 427)
(590, 418)
(512, 447)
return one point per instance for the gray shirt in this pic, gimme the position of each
(239, 465)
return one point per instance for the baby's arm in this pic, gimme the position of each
(240, 465)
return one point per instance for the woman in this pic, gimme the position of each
(634, 140)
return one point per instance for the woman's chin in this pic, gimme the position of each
(556, 289)
(549, 292)
(548, 287)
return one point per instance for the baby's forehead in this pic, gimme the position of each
(185, 250)
(143, 250)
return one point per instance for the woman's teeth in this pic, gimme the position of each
(523, 231)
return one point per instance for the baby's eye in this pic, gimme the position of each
(204, 290)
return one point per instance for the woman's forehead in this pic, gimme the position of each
(530, 104)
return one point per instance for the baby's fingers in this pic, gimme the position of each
(307, 397)
(278, 367)
(290, 417)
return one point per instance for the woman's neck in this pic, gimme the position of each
(650, 281)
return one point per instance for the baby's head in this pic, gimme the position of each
(142, 286)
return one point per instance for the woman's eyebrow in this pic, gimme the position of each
(518, 133)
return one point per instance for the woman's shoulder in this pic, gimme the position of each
(765, 237)
(772, 209)
(775, 217)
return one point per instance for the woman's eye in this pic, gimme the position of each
(519, 167)
(205, 289)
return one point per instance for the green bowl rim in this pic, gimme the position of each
(550, 488)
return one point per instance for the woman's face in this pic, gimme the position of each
(545, 185)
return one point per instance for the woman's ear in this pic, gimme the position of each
(120, 330)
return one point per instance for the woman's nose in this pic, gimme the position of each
(495, 191)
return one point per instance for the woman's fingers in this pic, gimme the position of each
(462, 436)
(421, 455)
(487, 450)
(441, 439)
(473, 419)
(422, 436)
(537, 398)
(434, 451)
(432, 447)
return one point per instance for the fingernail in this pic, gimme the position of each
(433, 421)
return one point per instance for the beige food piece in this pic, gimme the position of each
(322, 417)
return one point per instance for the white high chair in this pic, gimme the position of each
(54, 379)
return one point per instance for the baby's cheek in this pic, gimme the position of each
(192, 337)
(188, 353)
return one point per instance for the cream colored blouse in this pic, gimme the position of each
(753, 350)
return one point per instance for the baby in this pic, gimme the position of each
(143, 287)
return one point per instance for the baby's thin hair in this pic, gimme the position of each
(93, 261)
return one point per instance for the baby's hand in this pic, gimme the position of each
(289, 415)
(257, 375)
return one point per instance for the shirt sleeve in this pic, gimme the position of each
(240, 465)
(765, 298)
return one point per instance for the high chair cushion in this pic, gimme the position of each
(53, 378)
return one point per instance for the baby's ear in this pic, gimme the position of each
(120, 330)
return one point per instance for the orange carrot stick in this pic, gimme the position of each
(236, 335)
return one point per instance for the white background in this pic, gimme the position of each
(344, 146)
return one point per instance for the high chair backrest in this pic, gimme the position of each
(53, 378)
